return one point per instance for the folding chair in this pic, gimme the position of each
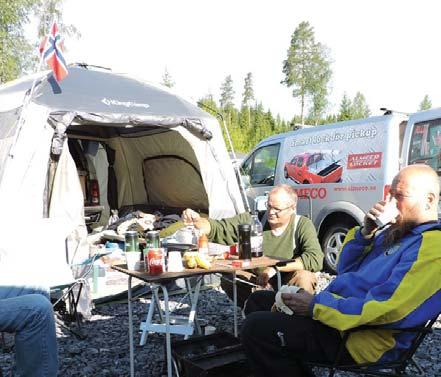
(71, 293)
(395, 368)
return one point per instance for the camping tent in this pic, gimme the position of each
(162, 152)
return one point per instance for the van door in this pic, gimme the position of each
(258, 171)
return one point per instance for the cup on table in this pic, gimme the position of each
(175, 262)
(209, 330)
(132, 259)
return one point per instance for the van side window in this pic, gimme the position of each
(425, 145)
(260, 167)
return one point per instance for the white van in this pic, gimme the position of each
(340, 170)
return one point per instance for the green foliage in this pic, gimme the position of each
(355, 109)
(14, 49)
(167, 80)
(17, 55)
(245, 136)
(345, 112)
(307, 70)
(425, 104)
(360, 109)
(53, 10)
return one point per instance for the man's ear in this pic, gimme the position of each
(431, 199)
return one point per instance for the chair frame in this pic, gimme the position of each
(73, 298)
(395, 368)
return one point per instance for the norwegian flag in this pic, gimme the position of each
(51, 50)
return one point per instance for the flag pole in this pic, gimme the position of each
(26, 102)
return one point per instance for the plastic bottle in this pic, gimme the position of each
(203, 244)
(256, 237)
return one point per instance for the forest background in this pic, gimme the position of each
(307, 72)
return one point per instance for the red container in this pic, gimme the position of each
(156, 261)
(233, 249)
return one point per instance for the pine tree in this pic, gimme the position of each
(360, 109)
(345, 108)
(167, 80)
(227, 93)
(248, 91)
(306, 68)
(248, 96)
(425, 104)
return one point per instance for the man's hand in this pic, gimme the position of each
(263, 277)
(370, 226)
(191, 217)
(298, 302)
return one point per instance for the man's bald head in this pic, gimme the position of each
(421, 184)
(423, 177)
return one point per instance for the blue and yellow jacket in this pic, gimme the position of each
(395, 287)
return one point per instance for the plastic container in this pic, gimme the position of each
(203, 244)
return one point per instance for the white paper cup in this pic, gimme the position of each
(390, 213)
(175, 262)
(133, 259)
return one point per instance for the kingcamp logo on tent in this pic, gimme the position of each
(115, 102)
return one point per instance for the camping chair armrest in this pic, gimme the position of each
(415, 329)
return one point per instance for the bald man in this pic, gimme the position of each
(285, 235)
(389, 276)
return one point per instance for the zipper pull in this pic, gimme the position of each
(282, 338)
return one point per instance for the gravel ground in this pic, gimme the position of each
(105, 351)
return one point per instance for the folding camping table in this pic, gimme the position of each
(185, 327)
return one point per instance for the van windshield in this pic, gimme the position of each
(425, 145)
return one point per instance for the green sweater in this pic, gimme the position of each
(307, 245)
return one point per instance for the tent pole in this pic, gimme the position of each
(235, 167)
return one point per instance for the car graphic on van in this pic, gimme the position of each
(316, 167)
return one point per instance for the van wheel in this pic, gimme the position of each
(331, 243)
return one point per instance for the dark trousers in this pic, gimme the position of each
(276, 343)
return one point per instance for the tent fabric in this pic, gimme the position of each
(163, 174)
(24, 174)
(66, 204)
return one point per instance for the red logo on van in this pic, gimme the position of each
(364, 160)
(313, 193)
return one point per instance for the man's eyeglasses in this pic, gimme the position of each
(276, 210)
(398, 195)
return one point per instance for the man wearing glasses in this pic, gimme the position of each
(285, 235)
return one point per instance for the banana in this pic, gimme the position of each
(202, 262)
(189, 258)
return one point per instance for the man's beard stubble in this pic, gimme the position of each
(397, 231)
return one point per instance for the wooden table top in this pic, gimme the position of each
(217, 266)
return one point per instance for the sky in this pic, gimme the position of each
(388, 50)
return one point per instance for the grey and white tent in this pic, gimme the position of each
(162, 152)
